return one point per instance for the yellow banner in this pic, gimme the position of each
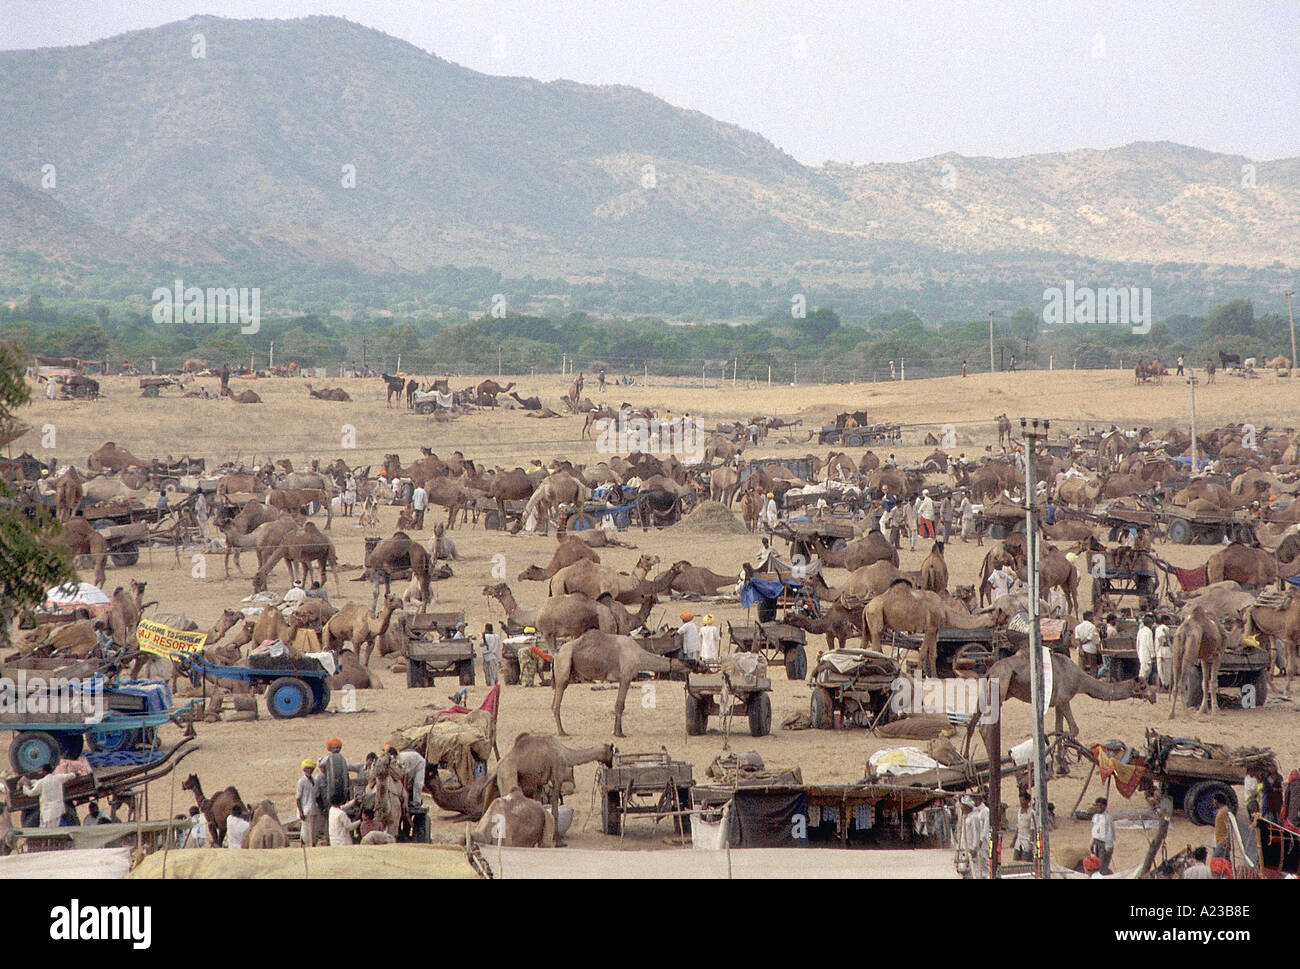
(154, 637)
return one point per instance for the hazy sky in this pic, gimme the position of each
(872, 80)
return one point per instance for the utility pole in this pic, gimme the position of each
(498, 360)
(1033, 432)
(990, 341)
(365, 345)
(1191, 382)
(1289, 312)
(270, 363)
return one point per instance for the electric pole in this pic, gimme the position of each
(1291, 370)
(1191, 382)
(365, 345)
(990, 341)
(1033, 432)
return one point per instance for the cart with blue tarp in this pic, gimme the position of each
(295, 686)
(774, 639)
(627, 507)
(117, 723)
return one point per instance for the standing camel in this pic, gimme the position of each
(1200, 638)
(597, 657)
(216, 809)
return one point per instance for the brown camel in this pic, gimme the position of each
(1004, 429)
(393, 555)
(109, 457)
(541, 766)
(751, 506)
(468, 799)
(490, 389)
(353, 624)
(516, 821)
(724, 482)
(838, 624)
(934, 570)
(300, 549)
(216, 810)
(1078, 492)
(597, 657)
(68, 494)
(1055, 570)
(82, 539)
(299, 499)
(568, 551)
(352, 673)
(527, 403)
(872, 580)
(232, 484)
(244, 397)
(911, 610)
(594, 580)
(1282, 624)
(1240, 563)
(872, 547)
(1199, 638)
(261, 540)
(266, 830)
(558, 489)
(695, 580)
(329, 393)
(569, 616)
(514, 485)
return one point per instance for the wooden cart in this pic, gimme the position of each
(777, 641)
(427, 659)
(859, 695)
(642, 785)
(715, 694)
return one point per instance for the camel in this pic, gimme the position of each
(541, 766)
(558, 489)
(724, 482)
(230, 484)
(1199, 638)
(1240, 563)
(527, 403)
(838, 624)
(1055, 570)
(398, 554)
(1009, 552)
(329, 393)
(125, 614)
(490, 389)
(111, 489)
(934, 570)
(595, 580)
(1004, 429)
(751, 506)
(468, 799)
(911, 610)
(568, 551)
(352, 673)
(597, 656)
(353, 624)
(216, 810)
(1011, 674)
(82, 539)
(870, 548)
(300, 549)
(872, 580)
(298, 500)
(515, 614)
(1282, 624)
(516, 821)
(569, 616)
(695, 580)
(514, 485)
(109, 457)
(396, 387)
(262, 539)
(69, 494)
(1078, 492)
(266, 830)
(244, 397)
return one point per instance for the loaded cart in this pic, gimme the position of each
(427, 658)
(737, 686)
(650, 784)
(856, 684)
(295, 687)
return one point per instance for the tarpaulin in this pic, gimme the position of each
(1190, 579)
(769, 819)
(1127, 776)
(756, 589)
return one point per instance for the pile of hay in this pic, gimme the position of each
(713, 516)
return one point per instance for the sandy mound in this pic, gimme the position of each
(368, 861)
(713, 516)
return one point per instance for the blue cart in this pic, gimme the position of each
(295, 690)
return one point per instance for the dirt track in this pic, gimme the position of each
(261, 758)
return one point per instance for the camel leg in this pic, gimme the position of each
(560, 686)
(1063, 709)
(623, 686)
(1178, 674)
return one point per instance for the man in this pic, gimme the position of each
(710, 640)
(1000, 582)
(1012, 368)
(1198, 868)
(236, 827)
(419, 502)
(49, 788)
(1085, 634)
(925, 515)
(491, 655)
(1222, 827)
(527, 660)
(963, 368)
(295, 595)
(690, 634)
(413, 767)
(201, 513)
(1164, 653)
(1103, 834)
(945, 515)
(966, 515)
(309, 809)
(1179, 373)
(1026, 828)
(1289, 811)
(601, 377)
(771, 517)
(93, 816)
(977, 828)
(1146, 648)
(340, 827)
(197, 835)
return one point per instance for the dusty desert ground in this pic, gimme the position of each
(262, 758)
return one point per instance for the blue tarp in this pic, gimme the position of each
(1187, 459)
(756, 589)
(1294, 579)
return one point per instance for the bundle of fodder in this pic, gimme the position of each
(714, 516)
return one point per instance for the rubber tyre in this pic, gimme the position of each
(854, 440)
(492, 520)
(759, 709)
(109, 741)
(1180, 532)
(796, 662)
(125, 558)
(415, 674)
(821, 709)
(697, 721)
(33, 749)
(465, 670)
(611, 817)
(288, 698)
(1260, 682)
(72, 744)
(1198, 804)
(1193, 694)
(321, 697)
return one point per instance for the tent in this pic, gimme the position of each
(77, 595)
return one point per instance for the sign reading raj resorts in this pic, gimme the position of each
(155, 637)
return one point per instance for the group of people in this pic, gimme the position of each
(700, 641)
(1154, 643)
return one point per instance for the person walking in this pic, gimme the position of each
(1012, 368)
(1026, 829)
(1146, 648)
(945, 515)
(1103, 834)
(419, 502)
(491, 655)
(1179, 373)
(1164, 653)
(309, 809)
(963, 368)
(925, 514)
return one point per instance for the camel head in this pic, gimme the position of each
(191, 783)
(496, 591)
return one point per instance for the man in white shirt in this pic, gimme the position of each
(1085, 634)
(294, 595)
(491, 655)
(1198, 868)
(1146, 648)
(419, 502)
(197, 835)
(1000, 582)
(340, 827)
(413, 767)
(49, 788)
(966, 514)
(710, 640)
(1164, 653)
(1026, 828)
(925, 515)
(977, 829)
(236, 827)
(1103, 834)
(690, 634)
(771, 517)
(309, 812)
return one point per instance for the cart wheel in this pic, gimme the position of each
(321, 697)
(821, 709)
(1260, 682)
(854, 440)
(1193, 693)
(1180, 532)
(415, 673)
(288, 697)
(972, 660)
(759, 709)
(108, 741)
(1199, 804)
(32, 750)
(796, 662)
(611, 817)
(465, 670)
(697, 721)
(492, 520)
(125, 558)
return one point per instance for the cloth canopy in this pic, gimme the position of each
(77, 595)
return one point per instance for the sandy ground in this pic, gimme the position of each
(262, 758)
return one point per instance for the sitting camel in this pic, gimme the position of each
(468, 799)
(595, 657)
(516, 821)
(541, 766)
(695, 580)
(1199, 638)
(352, 673)
(266, 830)
(568, 551)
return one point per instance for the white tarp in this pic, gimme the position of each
(901, 760)
(76, 595)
